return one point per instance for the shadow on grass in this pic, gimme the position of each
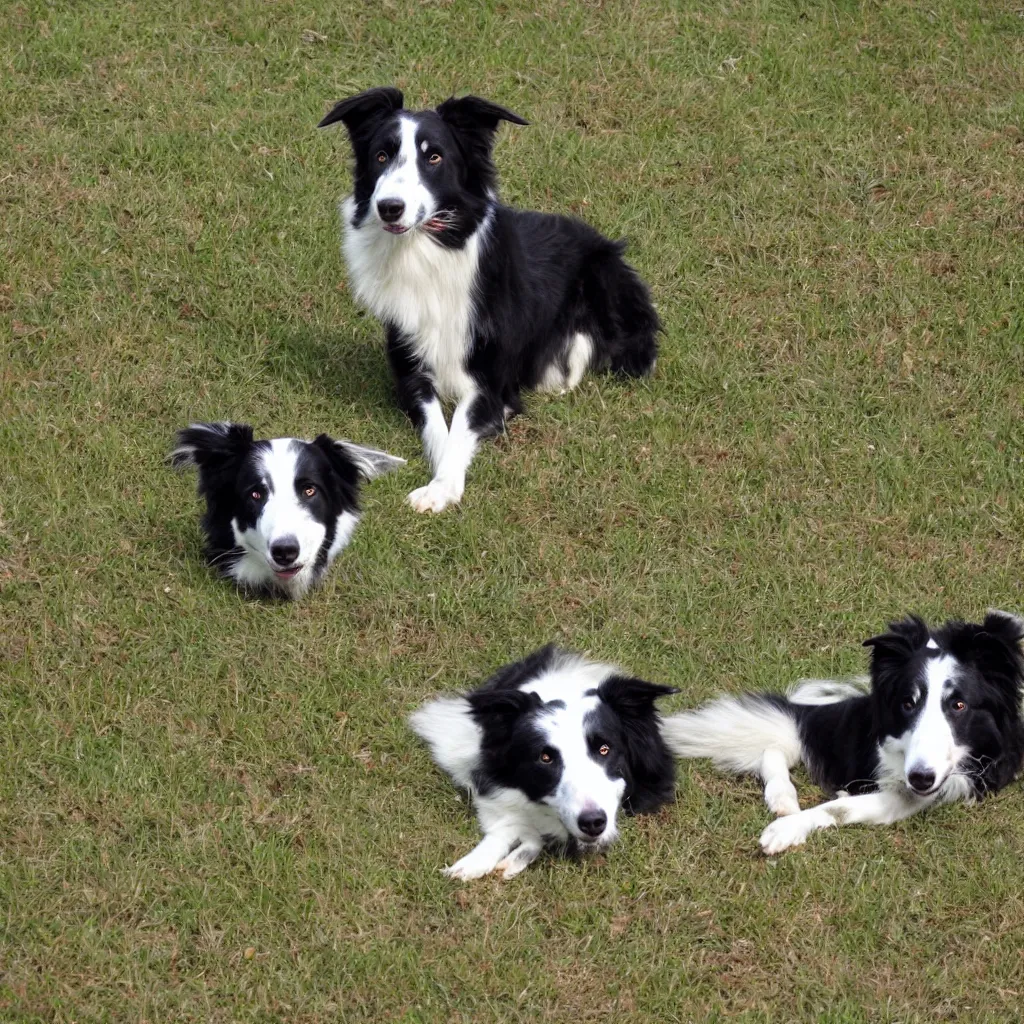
(353, 370)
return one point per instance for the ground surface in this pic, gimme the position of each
(212, 810)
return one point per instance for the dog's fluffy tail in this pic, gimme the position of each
(828, 691)
(446, 725)
(736, 731)
(628, 339)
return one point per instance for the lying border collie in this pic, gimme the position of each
(478, 301)
(550, 748)
(277, 512)
(940, 722)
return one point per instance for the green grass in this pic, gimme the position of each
(212, 810)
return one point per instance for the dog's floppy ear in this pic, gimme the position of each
(369, 463)
(651, 766)
(359, 112)
(632, 698)
(498, 710)
(475, 121)
(208, 445)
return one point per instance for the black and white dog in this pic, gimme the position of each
(478, 301)
(550, 748)
(938, 720)
(278, 511)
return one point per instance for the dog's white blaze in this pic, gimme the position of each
(425, 290)
(584, 785)
(402, 181)
(931, 745)
(282, 516)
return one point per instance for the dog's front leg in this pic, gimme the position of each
(418, 397)
(881, 808)
(779, 791)
(521, 857)
(484, 857)
(478, 415)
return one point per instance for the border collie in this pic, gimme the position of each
(550, 748)
(279, 511)
(938, 720)
(478, 301)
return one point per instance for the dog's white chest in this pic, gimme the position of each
(425, 290)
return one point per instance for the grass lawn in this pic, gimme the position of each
(211, 809)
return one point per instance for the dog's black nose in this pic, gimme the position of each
(390, 210)
(592, 823)
(285, 550)
(921, 780)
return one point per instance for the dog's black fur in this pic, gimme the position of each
(539, 281)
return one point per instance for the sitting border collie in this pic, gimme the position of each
(478, 301)
(550, 748)
(940, 721)
(279, 511)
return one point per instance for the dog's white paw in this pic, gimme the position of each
(470, 867)
(436, 496)
(518, 860)
(786, 832)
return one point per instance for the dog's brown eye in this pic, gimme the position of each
(434, 158)
(545, 756)
(257, 495)
(604, 750)
(959, 705)
(309, 492)
(908, 705)
(382, 157)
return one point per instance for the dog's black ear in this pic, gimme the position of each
(651, 780)
(1004, 627)
(369, 463)
(994, 647)
(498, 710)
(901, 639)
(632, 698)
(209, 445)
(474, 121)
(890, 654)
(511, 676)
(363, 111)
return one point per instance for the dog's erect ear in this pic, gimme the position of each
(210, 444)
(499, 710)
(1005, 627)
(475, 121)
(362, 111)
(369, 463)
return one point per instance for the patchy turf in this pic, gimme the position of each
(212, 809)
